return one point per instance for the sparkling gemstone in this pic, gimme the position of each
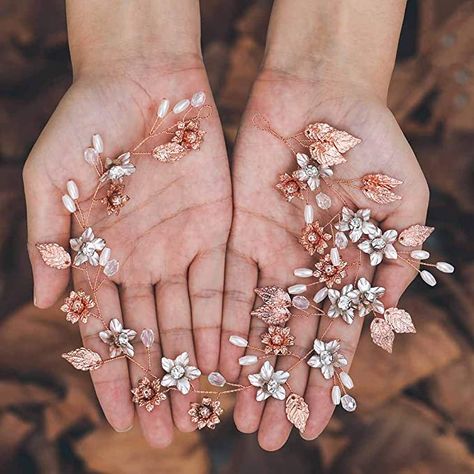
(355, 223)
(88, 249)
(177, 372)
(111, 268)
(344, 303)
(348, 403)
(300, 302)
(323, 201)
(216, 379)
(340, 240)
(326, 357)
(122, 338)
(378, 243)
(147, 337)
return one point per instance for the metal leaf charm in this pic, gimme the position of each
(297, 411)
(382, 334)
(326, 154)
(274, 295)
(343, 141)
(83, 359)
(170, 151)
(399, 320)
(378, 188)
(276, 315)
(54, 255)
(415, 235)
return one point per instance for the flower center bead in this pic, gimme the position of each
(344, 303)
(369, 296)
(311, 170)
(177, 372)
(277, 339)
(122, 338)
(313, 237)
(272, 386)
(204, 412)
(355, 223)
(378, 243)
(148, 393)
(88, 249)
(326, 357)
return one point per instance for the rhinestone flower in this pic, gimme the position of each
(314, 239)
(179, 373)
(368, 297)
(291, 187)
(380, 245)
(343, 303)
(77, 306)
(206, 414)
(115, 198)
(87, 247)
(328, 273)
(118, 168)
(356, 223)
(188, 135)
(118, 339)
(147, 393)
(269, 382)
(277, 340)
(310, 172)
(327, 357)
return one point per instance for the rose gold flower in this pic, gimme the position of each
(327, 272)
(188, 135)
(277, 340)
(147, 393)
(206, 413)
(314, 239)
(115, 198)
(291, 187)
(77, 306)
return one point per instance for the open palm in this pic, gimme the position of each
(170, 238)
(263, 248)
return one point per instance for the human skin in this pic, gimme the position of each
(328, 62)
(171, 237)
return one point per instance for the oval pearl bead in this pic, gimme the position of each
(346, 380)
(104, 256)
(72, 189)
(69, 203)
(308, 214)
(335, 257)
(428, 278)
(238, 341)
(445, 267)
(303, 272)
(320, 295)
(336, 395)
(248, 360)
(91, 156)
(419, 254)
(198, 99)
(297, 289)
(181, 106)
(163, 108)
(98, 143)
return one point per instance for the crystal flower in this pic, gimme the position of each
(327, 357)
(314, 239)
(356, 223)
(368, 297)
(310, 172)
(118, 168)
(328, 273)
(77, 306)
(118, 339)
(147, 393)
(343, 303)
(179, 373)
(206, 414)
(291, 187)
(87, 247)
(380, 245)
(269, 382)
(188, 135)
(115, 198)
(277, 340)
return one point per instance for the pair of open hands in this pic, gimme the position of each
(195, 239)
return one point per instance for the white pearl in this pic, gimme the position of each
(104, 256)
(69, 203)
(248, 360)
(445, 267)
(198, 99)
(419, 254)
(336, 395)
(181, 106)
(238, 341)
(303, 272)
(320, 295)
(346, 380)
(91, 156)
(308, 214)
(335, 257)
(72, 189)
(428, 278)
(98, 143)
(163, 108)
(297, 289)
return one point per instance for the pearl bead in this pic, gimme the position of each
(198, 99)
(181, 106)
(163, 108)
(69, 203)
(303, 272)
(72, 189)
(297, 289)
(97, 143)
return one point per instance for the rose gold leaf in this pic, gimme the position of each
(415, 235)
(274, 295)
(168, 152)
(381, 180)
(297, 411)
(382, 334)
(399, 320)
(269, 314)
(343, 141)
(54, 255)
(381, 196)
(83, 359)
(377, 187)
(326, 154)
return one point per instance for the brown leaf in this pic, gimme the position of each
(54, 255)
(415, 235)
(83, 359)
(323, 132)
(297, 411)
(382, 334)
(399, 320)
(170, 151)
(377, 187)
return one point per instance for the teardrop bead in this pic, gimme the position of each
(104, 256)
(323, 201)
(147, 337)
(340, 240)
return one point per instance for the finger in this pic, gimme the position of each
(174, 322)
(139, 313)
(239, 297)
(48, 221)
(112, 381)
(206, 281)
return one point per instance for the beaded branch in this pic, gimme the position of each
(323, 147)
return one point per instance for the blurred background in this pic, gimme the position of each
(416, 411)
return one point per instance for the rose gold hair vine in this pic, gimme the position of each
(317, 150)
